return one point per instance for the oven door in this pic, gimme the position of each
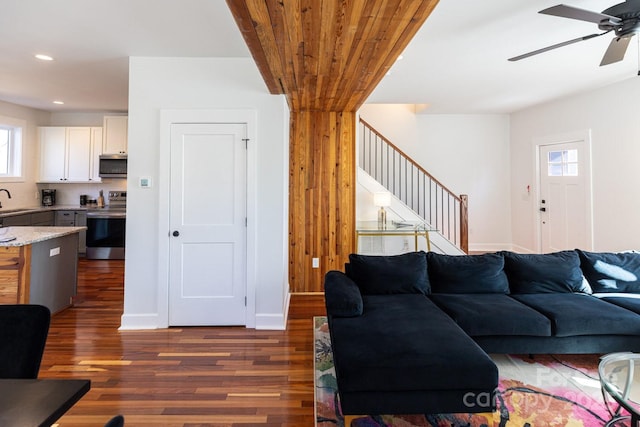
(105, 236)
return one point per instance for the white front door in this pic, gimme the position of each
(565, 212)
(208, 225)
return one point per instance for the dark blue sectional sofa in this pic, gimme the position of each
(410, 333)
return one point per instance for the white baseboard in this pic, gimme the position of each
(496, 247)
(489, 247)
(131, 322)
(271, 321)
(274, 321)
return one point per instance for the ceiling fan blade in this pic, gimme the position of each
(616, 50)
(571, 12)
(555, 46)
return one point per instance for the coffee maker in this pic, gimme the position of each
(48, 197)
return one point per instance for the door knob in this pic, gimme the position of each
(176, 233)
(543, 209)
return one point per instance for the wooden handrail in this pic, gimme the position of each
(413, 162)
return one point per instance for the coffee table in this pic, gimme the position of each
(620, 380)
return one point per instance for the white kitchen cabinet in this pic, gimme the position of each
(53, 143)
(114, 138)
(96, 147)
(68, 154)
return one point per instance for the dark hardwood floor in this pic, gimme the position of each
(214, 376)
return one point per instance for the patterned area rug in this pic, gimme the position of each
(544, 391)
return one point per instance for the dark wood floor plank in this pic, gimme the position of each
(182, 377)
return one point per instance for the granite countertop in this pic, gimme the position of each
(19, 211)
(29, 235)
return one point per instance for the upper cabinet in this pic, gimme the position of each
(114, 139)
(68, 154)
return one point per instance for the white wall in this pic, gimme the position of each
(23, 192)
(204, 83)
(613, 115)
(469, 154)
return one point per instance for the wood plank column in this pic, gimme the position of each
(326, 57)
(321, 195)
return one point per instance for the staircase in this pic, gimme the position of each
(434, 203)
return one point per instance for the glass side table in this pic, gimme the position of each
(394, 228)
(620, 381)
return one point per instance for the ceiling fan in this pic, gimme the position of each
(623, 19)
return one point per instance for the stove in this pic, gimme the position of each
(116, 206)
(106, 228)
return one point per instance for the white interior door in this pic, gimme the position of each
(565, 196)
(208, 225)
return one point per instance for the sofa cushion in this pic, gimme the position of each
(390, 274)
(582, 314)
(492, 314)
(543, 273)
(628, 301)
(467, 274)
(404, 343)
(611, 272)
(341, 294)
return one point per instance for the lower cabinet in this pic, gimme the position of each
(41, 219)
(73, 218)
(16, 220)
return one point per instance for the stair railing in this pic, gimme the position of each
(414, 186)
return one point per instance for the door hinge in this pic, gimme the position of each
(245, 301)
(246, 143)
(246, 222)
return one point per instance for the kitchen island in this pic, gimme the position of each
(39, 265)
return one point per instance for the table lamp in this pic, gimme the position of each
(382, 199)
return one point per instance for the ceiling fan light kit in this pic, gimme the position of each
(623, 19)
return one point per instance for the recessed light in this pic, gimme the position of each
(44, 57)
(400, 58)
(58, 102)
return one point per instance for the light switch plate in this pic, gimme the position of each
(315, 262)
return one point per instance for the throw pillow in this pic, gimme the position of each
(342, 296)
(467, 274)
(543, 273)
(390, 274)
(610, 271)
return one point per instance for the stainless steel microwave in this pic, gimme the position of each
(113, 166)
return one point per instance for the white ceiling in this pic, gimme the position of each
(456, 64)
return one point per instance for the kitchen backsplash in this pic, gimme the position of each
(69, 194)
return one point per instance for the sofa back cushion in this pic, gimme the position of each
(467, 274)
(611, 272)
(390, 274)
(543, 273)
(341, 295)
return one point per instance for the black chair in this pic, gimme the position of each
(23, 335)
(117, 421)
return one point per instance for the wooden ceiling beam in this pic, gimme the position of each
(327, 55)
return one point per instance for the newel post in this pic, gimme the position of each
(464, 223)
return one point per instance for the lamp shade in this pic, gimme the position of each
(382, 199)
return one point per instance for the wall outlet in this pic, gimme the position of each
(315, 262)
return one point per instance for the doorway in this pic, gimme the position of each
(207, 249)
(564, 205)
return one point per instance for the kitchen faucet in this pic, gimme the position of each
(8, 194)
